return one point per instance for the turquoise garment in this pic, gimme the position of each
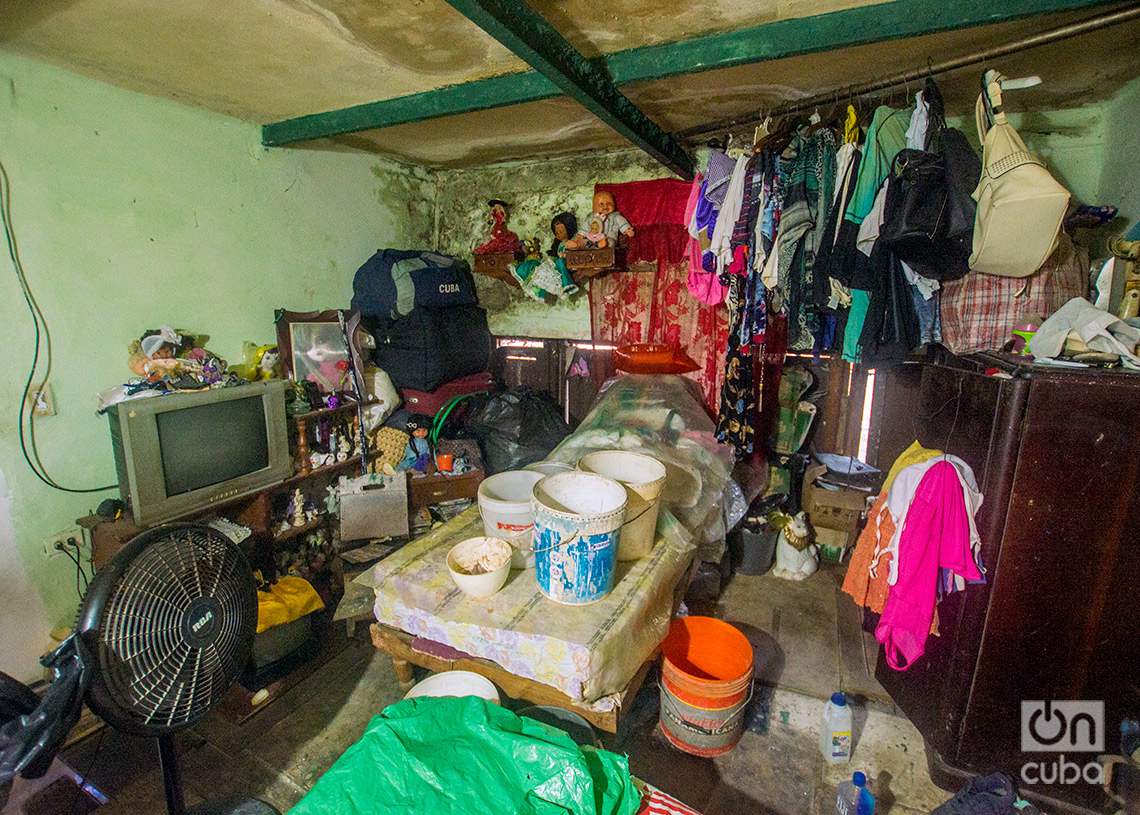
(537, 278)
(885, 137)
(859, 301)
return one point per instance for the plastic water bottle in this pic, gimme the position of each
(854, 797)
(835, 731)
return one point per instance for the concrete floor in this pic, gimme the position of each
(807, 643)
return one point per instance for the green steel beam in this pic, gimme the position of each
(524, 31)
(482, 94)
(824, 32)
(777, 40)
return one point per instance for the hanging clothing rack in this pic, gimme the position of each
(850, 92)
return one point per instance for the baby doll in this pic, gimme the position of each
(532, 249)
(596, 237)
(564, 226)
(614, 224)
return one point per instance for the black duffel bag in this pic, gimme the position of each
(428, 347)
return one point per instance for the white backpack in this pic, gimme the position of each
(1020, 206)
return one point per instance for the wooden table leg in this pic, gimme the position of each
(403, 673)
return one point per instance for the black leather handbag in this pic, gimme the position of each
(932, 223)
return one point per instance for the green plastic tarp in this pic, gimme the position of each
(465, 755)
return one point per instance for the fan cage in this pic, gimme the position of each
(153, 673)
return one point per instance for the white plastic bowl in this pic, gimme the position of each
(456, 683)
(479, 585)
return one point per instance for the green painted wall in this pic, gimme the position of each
(537, 191)
(1071, 142)
(1120, 177)
(131, 212)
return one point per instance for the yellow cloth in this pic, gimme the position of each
(289, 599)
(915, 454)
(850, 127)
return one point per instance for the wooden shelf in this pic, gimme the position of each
(294, 531)
(496, 265)
(325, 412)
(328, 468)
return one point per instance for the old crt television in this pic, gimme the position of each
(184, 451)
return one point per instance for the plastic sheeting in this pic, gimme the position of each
(447, 755)
(590, 653)
(661, 417)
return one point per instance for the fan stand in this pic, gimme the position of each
(208, 603)
(175, 801)
(171, 775)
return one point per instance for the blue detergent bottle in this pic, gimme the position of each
(854, 798)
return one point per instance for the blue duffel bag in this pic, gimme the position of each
(394, 281)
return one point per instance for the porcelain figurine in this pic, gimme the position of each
(343, 449)
(298, 508)
(795, 553)
(502, 239)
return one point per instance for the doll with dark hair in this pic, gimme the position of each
(417, 453)
(501, 239)
(564, 226)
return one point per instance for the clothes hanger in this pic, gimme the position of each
(761, 131)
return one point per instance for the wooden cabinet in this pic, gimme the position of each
(1054, 453)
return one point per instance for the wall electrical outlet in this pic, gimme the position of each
(42, 402)
(69, 539)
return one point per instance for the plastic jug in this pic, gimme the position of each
(835, 731)
(854, 797)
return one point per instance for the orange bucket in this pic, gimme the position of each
(706, 680)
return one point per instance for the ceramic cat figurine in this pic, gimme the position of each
(795, 553)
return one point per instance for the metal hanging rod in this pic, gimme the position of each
(1064, 32)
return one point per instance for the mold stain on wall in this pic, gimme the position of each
(536, 191)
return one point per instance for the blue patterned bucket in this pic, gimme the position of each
(577, 522)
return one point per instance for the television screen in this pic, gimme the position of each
(208, 444)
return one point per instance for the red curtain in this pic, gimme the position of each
(647, 306)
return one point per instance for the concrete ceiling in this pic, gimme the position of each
(268, 60)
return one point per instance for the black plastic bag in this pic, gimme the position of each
(516, 428)
(28, 743)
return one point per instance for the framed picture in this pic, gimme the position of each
(312, 347)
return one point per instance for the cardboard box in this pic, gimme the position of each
(834, 544)
(840, 509)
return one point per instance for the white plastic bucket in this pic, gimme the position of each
(550, 467)
(456, 683)
(504, 504)
(644, 480)
(577, 524)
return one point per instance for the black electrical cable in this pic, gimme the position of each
(38, 319)
(78, 571)
(83, 779)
